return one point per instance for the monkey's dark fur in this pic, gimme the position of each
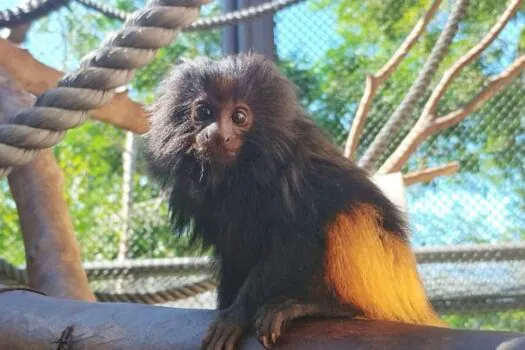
(265, 214)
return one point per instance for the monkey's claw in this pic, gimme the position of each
(222, 335)
(272, 319)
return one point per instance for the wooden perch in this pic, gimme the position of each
(373, 82)
(52, 253)
(430, 174)
(32, 321)
(37, 78)
(427, 125)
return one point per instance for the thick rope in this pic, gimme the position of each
(29, 11)
(148, 267)
(471, 253)
(198, 265)
(39, 8)
(160, 297)
(393, 125)
(488, 303)
(94, 83)
(13, 273)
(229, 18)
(106, 10)
(177, 267)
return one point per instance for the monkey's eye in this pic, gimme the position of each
(203, 112)
(239, 118)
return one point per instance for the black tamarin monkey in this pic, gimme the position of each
(297, 229)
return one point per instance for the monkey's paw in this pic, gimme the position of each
(271, 319)
(222, 335)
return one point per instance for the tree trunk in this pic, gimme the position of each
(53, 258)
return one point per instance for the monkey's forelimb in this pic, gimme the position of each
(260, 288)
(272, 318)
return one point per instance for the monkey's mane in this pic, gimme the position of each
(285, 168)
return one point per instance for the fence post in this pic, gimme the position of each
(256, 34)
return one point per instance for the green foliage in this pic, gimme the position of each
(506, 320)
(90, 157)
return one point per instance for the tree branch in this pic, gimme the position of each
(427, 125)
(37, 78)
(374, 81)
(32, 321)
(53, 258)
(424, 127)
(430, 174)
(417, 89)
(471, 55)
(494, 86)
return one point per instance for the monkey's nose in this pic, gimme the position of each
(215, 135)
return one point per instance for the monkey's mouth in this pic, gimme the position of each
(215, 155)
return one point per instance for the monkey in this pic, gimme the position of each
(296, 229)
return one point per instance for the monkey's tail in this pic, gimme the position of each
(375, 270)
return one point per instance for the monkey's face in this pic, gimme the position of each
(220, 127)
(234, 113)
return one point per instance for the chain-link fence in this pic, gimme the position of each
(327, 48)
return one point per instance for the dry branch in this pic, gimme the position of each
(471, 55)
(495, 85)
(430, 174)
(427, 125)
(392, 126)
(52, 253)
(374, 81)
(37, 78)
(32, 321)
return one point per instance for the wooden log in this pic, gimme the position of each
(32, 321)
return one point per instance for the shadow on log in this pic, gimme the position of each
(32, 321)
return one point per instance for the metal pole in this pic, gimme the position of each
(255, 35)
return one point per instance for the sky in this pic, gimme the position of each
(479, 207)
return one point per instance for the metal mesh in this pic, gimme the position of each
(484, 203)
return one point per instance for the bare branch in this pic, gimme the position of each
(374, 81)
(472, 54)
(495, 85)
(427, 125)
(430, 174)
(417, 89)
(360, 117)
(387, 70)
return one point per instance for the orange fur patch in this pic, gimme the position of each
(375, 270)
